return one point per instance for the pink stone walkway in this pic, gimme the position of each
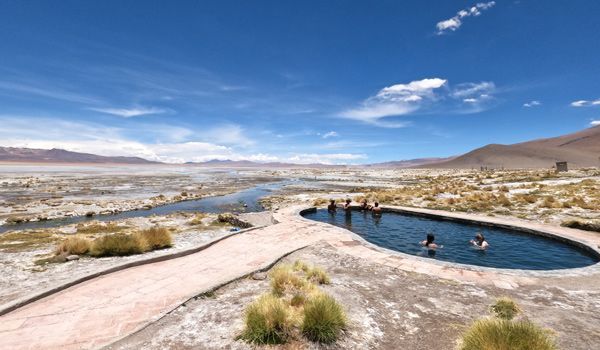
(100, 311)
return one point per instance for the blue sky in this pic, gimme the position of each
(310, 81)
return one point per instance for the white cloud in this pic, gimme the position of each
(595, 122)
(330, 134)
(472, 89)
(533, 103)
(130, 112)
(228, 134)
(111, 141)
(420, 95)
(453, 23)
(398, 99)
(327, 158)
(585, 103)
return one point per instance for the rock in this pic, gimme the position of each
(259, 276)
(14, 220)
(89, 214)
(72, 257)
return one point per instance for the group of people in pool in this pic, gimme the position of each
(478, 242)
(364, 206)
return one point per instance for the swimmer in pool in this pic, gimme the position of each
(428, 243)
(364, 205)
(332, 207)
(376, 209)
(480, 241)
(347, 207)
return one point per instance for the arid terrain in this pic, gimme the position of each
(387, 308)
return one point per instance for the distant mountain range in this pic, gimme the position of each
(217, 163)
(579, 149)
(33, 155)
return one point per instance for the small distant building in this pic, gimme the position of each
(561, 166)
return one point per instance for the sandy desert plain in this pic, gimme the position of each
(387, 305)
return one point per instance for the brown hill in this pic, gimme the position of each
(34, 155)
(408, 163)
(579, 149)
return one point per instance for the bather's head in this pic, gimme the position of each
(430, 239)
(376, 204)
(479, 237)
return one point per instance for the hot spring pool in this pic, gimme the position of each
(509, 249)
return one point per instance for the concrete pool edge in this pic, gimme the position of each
(565, 235)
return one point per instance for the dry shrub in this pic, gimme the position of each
(283, 279)
(119, 244)
(505, 308)
(157, 237)
(320, 202)
(197, 220)
(73, 245)
(324, 318)
(267, 321)
(317, 275)
(99, 227)
(503, 200)
(501, 334)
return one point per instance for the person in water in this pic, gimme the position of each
(364, 205)
(347, 207)
(480, 241)
(376, 209)
(428, 243)
(332, 207)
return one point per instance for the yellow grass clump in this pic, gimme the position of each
(501, 334)
(74, 245)
(157, 237)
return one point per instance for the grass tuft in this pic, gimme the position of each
(505, 308)
(317, 275)
(74, 245)
(119, 244)
(157, 237)
(323, 320)
(266, 321)
(300, 265)
(502, 334)
(283, 279)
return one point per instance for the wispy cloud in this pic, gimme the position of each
(453, 23)
(130, 112)
(42, 90)
(533, 103)
(595, 122)
(585, 103)
(330, 134)
(419, 96)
